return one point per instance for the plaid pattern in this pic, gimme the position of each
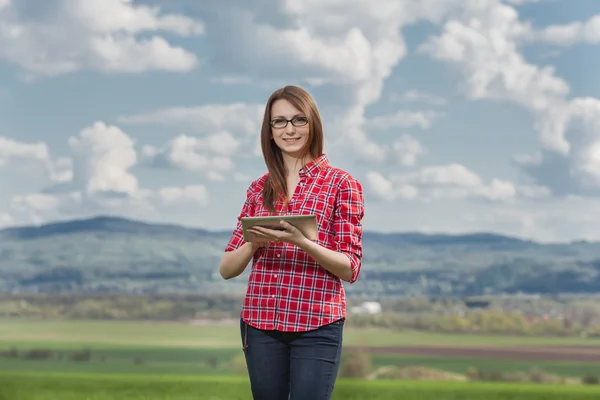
(287, 290)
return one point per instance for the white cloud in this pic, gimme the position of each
(25, 155)
(353, 46)
(484, 45)
(453, 181)
(6, 220)
(121, 15)
(37, 202)
(403, 119)
(61, 170)
(222, 130)
(521, 2)
(534, 191)
(98, 178)
(407, 149)
(385, 189)
(553, 220)
(93, 34)
(102, 156)
(205, 119)
(528, 159)
(195, 194)
(36, 206)
(569, 34)
(585, 151)
(11, 149)
(417, 96)
(349, 49)
(209, 155)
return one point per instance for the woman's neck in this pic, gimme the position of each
(294, 164)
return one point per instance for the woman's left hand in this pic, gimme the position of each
(290, 234)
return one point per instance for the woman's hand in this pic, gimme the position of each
(290, 234)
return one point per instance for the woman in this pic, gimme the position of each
(293, 314)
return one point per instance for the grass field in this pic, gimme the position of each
(144, 333)
(170, 361)
(113, 387)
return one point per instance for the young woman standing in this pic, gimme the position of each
(293, 315)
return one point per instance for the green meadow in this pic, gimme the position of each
(172, 361)
(102, 333)
(29, 386)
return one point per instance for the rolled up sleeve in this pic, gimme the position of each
(349, 211)
(237, 236)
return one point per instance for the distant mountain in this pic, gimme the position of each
(102, 224)
(108, 254)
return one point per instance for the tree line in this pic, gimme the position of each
(578, 316)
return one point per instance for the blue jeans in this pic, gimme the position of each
(290, 365)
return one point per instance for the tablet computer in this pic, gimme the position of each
(307, 224)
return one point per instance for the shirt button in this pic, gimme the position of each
(273, 296)
(278, 255)
(275, 276)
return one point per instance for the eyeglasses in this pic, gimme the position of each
(279, 123)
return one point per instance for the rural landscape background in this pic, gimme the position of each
(116, 308)
(130, 132)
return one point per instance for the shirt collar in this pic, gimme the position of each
(313, 167)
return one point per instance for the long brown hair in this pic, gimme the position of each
(276, 183)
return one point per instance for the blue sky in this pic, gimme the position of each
(455, 115)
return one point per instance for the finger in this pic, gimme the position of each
(261, 230)
(258, 231)
(288, 227)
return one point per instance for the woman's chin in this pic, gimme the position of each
(293, 149)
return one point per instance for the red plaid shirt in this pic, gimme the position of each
(287, 289)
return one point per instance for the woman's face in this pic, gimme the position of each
(289, 138)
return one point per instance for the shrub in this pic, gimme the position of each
(81, 356)
(356, 364)
(212, 362)
(38, 354)
(590, 380)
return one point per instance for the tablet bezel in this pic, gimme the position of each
(307, 224)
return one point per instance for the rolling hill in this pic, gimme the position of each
(107, 254)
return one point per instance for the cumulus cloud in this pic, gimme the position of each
(205, 119)
(103, 155)
(407, 149)
(453, 181)
(346, 51)
(35, 157)
(569, 34)
(351, 48)
(194, 194)
(217, 132)
(417, 96)
(11, 149)
(521, 2)
(485, 47)
(403, 119)
(37, 206)
(101, 181)
(210, 156)
(64, 36)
